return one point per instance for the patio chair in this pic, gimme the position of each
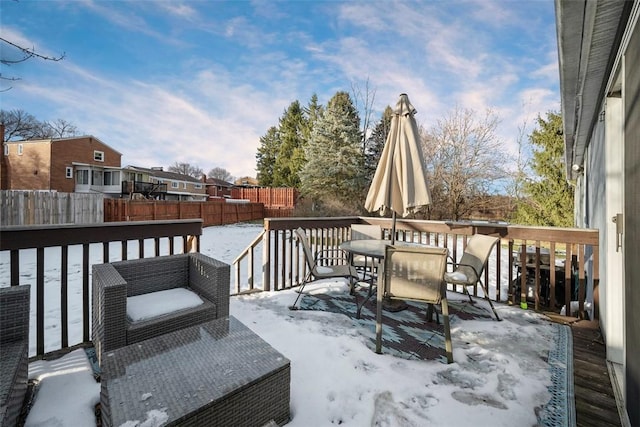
(316, 272)
(468, 272)
(415, 274)
(14, 351)
(143, 284)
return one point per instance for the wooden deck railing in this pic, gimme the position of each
(17, 238)
(538, 283)
(278, 257)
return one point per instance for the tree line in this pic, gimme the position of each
(330, 156)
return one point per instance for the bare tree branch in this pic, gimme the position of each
(28, 54)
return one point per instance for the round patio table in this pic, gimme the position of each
(374, 249)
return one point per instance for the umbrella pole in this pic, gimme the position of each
(393, 227)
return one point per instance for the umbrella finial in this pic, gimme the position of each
(403, 106)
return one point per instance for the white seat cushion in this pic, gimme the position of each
(455, 276)
(153, 304)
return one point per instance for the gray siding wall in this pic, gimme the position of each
(632, 225)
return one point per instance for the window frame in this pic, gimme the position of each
(85, 173)
(68, 173)
(98, 156)
(20, 149)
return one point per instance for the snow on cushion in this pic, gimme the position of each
(323, 270)
(455, 276)
(153, 304)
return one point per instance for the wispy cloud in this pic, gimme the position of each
(201, 82)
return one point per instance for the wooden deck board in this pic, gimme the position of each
(595, 401)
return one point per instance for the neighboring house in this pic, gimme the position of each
(217, 188)
(136, 180)
(599, 54)
(80, 164)
(178, 186)
(247, 181)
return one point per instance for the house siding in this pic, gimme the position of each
(65, 152)
(29, 170)
(631, 99)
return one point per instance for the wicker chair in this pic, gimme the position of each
(14, 351)
(113, 283)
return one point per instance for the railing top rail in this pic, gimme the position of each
(309, 222)
(504, 230)
(42, 236)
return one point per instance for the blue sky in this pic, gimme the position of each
(202, 81)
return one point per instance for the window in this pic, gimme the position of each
(184, 185)
(98, 156)
(6, 150)
(174, 184)
(69, 172)
(198, 186)
(82, 177)
(20, 149)
(96, 178)
(112, 178)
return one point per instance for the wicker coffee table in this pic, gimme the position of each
(217, 373)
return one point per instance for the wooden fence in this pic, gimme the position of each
(211, 213)
(26, 207)
(269, 197)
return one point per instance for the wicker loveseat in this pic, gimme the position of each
(115, 282)
(14, 351)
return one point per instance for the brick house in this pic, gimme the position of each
(217, 188)
(79, 164)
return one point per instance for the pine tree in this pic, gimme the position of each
(290, 157)
(334, 157)
(375, 145)
(266, 156)
(548, 196)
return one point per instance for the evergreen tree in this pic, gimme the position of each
(266, 156)
(375, 144)
(334, 157)
(548, 196)
(290, 155)
(312, 112)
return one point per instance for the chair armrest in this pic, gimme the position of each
(109, 309)
(211, 278)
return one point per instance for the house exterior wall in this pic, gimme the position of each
(631, 100)
(65, 152)
(43, 163)
(612, 270)
(29, 170)
(184, 190)
(611, 186)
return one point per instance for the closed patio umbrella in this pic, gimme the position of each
(399, 184)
